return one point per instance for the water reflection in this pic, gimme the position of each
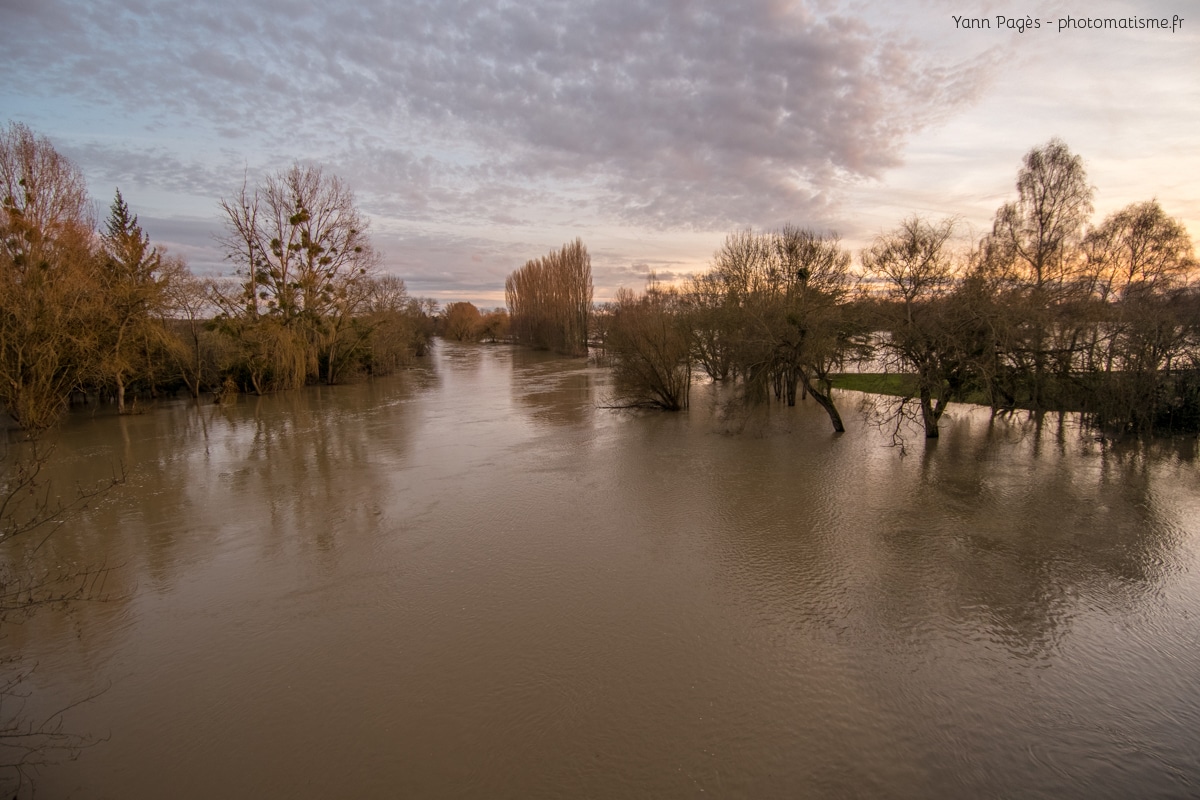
(1012, 537)
(553, 390)
(474, 563)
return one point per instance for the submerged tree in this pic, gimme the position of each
(462, 322)
(550, 298)
(494, 326)
(304, 260)
(773, 311)
(195, 349)
(919, 314)
(400, 327)
(715, 334)
(649, 340)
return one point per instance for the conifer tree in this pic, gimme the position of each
(134, 299)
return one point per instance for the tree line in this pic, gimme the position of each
(769, 315)
(464, 322)
(98, 309)
(1046, 312)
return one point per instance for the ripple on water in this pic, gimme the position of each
(471, 580)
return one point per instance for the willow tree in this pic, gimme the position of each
(780, 314)
(48, 293)
(650, 343)
(550, 298)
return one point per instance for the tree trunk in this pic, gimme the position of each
(825, 402)
(929, 414)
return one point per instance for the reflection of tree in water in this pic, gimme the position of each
(555, 389)
(1012, 531)
(997, 534)
(208, 489)
(301, 466)
(314, 464)
(765, 493)
(952, 601)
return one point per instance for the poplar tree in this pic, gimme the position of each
(550, 300)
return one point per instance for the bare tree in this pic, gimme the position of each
(305, 260)
(311, 240)
(550, 298)
(919, 336)
(400, 326)
(776, 308)
(714, 332)
(1036, 235)
(1138, 249)
(190, 308)
(819, 333)
(1034, 248)
(1138, 259)
(243, 248)
(649, 341)
(43, 195)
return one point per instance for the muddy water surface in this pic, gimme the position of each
(472, 581)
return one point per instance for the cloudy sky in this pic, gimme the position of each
(477, 134)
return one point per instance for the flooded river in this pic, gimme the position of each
(471, 580)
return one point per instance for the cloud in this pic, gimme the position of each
(697, 114)
(189, 237)
(637, 274)
(111, 164)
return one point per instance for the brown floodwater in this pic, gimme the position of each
(472, 580)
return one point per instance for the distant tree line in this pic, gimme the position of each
(97, 309)
(464, 322)
(1046, 312)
